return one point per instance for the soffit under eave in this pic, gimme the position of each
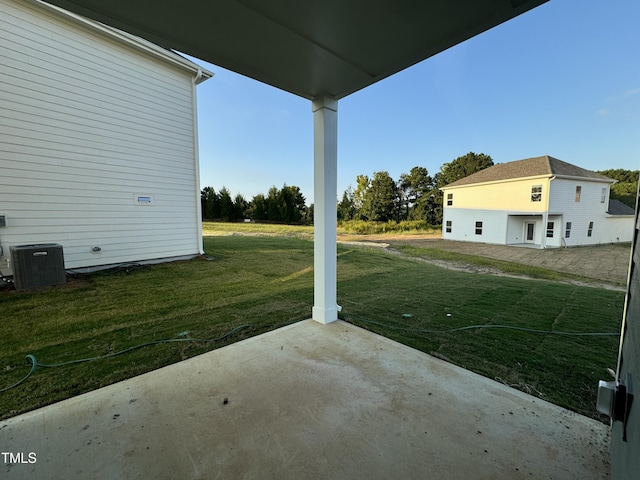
(308, 48)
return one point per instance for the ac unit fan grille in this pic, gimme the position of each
(36, 266)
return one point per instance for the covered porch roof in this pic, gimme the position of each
(309, 48)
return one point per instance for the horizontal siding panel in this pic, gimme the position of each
(50, 146)
(116, 216)
(127, 131)
(73, 195)
(66, 177)
(116, 248)
(25, 95)
(86, 123)
(92, 176)
(66, 86)
(64, 150)
(28, 128)
(121, 201)
(145, 94)
(73, 206)
(164, 218)
(87, 47)
(78, 259)
(132, 256)
(111, 239)
(83, 258)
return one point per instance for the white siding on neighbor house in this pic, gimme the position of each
(517, 225)
(588, 209)
(558, 231)
(463, 225)
(86, 123)
(515, 229)
(618, 229)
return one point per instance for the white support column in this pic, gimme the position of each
(325, 172)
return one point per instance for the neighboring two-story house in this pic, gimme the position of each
(540, 201)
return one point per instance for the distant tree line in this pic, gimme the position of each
(414, 196)
(285, 205)
(626, 187)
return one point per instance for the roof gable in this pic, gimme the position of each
(529, 167)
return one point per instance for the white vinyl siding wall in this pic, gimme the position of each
(619, 229)
(558, 231)
(463, 225)
(588, 209)
(86, 123)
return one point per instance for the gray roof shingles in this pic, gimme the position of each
(529, 167)
(616, 207)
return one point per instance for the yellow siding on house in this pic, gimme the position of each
(512, 195)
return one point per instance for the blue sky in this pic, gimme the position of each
(561, 80)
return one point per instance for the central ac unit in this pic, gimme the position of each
(37, 266)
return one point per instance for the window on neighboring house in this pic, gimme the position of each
(578, 193)
(449, 199)
(567, 231)
(590, 229)
(603, 195)
(448, 226)
(478, 228)
(549, 229)
(536, 193)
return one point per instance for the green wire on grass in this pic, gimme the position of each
(471, 327)
(35, 363)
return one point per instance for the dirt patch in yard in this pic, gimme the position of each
(606, 265)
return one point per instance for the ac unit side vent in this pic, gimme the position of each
(36, 266)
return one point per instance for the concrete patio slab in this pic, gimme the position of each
(306, 401)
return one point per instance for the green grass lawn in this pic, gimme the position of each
(258, 283)
(262, 282)
(412, 303)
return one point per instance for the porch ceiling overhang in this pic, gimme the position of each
(310, 47)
